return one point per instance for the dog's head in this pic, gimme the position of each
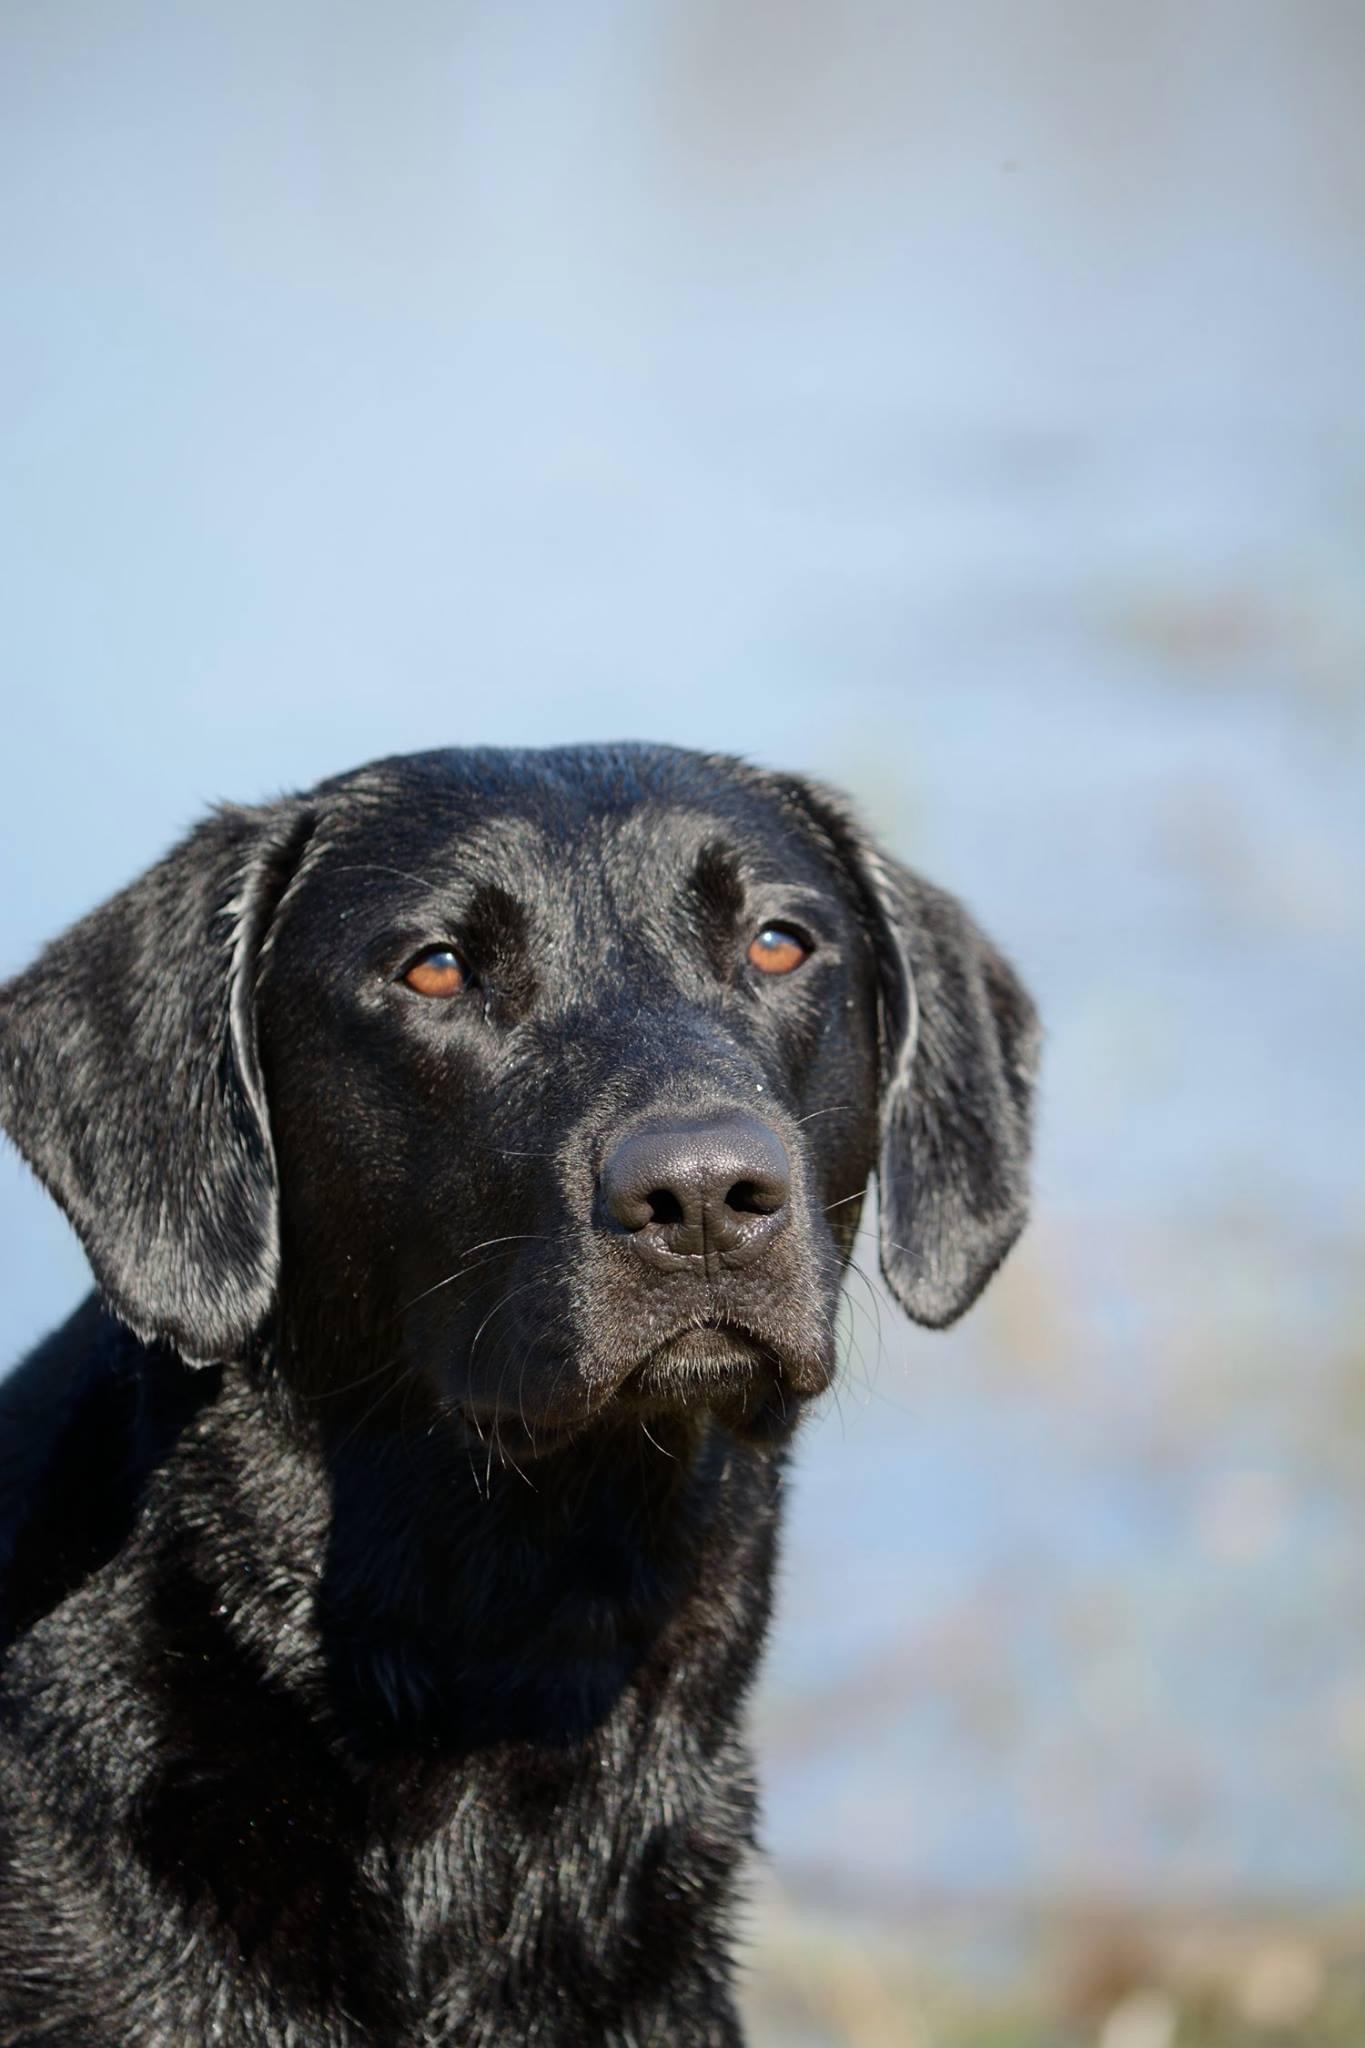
(525, 1086)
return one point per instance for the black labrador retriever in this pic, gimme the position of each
(468, 1154)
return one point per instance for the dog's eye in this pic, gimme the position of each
(438, 972)
(777, 950)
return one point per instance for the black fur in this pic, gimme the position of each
(382, 1680)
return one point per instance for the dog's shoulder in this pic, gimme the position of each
(84, 1419)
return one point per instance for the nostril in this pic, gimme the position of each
(718, 1187)
(754, 1198)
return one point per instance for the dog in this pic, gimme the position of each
(468, 1154)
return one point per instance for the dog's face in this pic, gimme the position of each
(506, 1088)
(575, 1066)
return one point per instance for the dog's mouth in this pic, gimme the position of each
(720, 1371)
(712, 1368)
(697, 1365)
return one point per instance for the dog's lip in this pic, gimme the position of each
(702, 1365)
(704, 1357)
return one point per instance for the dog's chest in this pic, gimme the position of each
(595, 1880)
(466, 1899)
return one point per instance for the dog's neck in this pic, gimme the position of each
(451, 1600)
(471, 1606)
(371, 1658)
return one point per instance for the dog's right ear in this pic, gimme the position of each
(130, 1082)
(959, 1052)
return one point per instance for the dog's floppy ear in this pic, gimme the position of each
(129, 1080)
(959, 1050)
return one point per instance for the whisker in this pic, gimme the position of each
(495, 1442)
(403, 1378)
(852, 1349)
(385, 1365)
(876, 1294)
(349, 1386)
(852, 1266)
(560, 1320)
(543, 1338)
(513, 1237)
(379, 867)
(839, 1409)
(508, 1459)
(511, 1295)
(655, 1441)
(462, 1272)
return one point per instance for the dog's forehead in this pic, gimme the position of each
(594, 837)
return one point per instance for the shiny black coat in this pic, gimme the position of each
(386, 1552)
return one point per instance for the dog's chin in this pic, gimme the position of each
(712, 1372)
(722, 1373)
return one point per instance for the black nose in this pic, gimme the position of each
(713, 1189)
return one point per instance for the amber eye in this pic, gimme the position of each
(438, 972)
(777, 951)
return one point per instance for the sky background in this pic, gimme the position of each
(965, 404)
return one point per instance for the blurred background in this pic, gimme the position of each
(965, 402)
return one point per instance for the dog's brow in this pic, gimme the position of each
(497, 916)
(717, 882)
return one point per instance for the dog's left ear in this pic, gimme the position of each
(129, 1080)
(959, 1052)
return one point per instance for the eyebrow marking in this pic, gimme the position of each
(719, 898)
(497, 930)
(716, 880)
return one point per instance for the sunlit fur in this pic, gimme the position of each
(386, 1553)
